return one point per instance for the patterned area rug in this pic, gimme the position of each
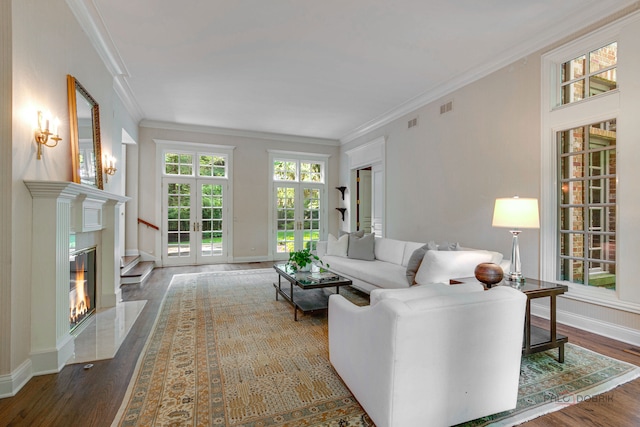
(547, 385)
(224, 352)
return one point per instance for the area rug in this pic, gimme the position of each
(547, 385)
(224, 352)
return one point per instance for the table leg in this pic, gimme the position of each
(527, 326)
(295, 309)
(561, 353)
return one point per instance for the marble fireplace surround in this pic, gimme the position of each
(61, 209)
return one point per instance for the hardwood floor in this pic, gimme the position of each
(91, 397)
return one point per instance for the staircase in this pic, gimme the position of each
(133, 271)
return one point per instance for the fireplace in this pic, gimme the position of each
(82, 286)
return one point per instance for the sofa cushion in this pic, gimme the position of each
(380, 273)
(361, 247)
(414, 263)
(337, 247)
(389, 250)
(440, 266)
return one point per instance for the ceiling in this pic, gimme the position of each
(327, 69)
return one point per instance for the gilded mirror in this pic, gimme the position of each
(84, 134)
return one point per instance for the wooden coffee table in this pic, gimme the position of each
(536, 339)
(308, 294)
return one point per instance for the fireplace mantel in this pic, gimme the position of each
(60, 209)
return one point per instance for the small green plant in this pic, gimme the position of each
(299, 259)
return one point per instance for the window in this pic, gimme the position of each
(587, 210)
(595, 71)
(208, 165)
(298, 171)
(581, 122)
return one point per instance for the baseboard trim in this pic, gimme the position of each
(599, 327)
(251, 259)
(12, 383)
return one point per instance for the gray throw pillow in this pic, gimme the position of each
(358, 233)
(361, 247)
(414, 263)
(446, 246)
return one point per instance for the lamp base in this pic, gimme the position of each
(514, 277)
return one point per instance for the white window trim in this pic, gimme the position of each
(554, 118)
(297, 156)
(162, 146)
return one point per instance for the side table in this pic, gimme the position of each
(536, 339)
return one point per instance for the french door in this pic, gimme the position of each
(298, 212)
(194, 218)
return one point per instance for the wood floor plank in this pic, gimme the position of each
(91, 397)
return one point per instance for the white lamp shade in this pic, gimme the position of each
(516, 213)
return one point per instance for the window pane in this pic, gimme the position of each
(573, 92)
(178, 164)
(284, 171)
(603, 82)
(572, 245)
(311, 172)
(572, 270)
(572, 219)
(572, 167)
(573, 69)
(572, 140)
(604, 57)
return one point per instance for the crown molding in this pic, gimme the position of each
(577, 22)
(90, 19)
(238, 132)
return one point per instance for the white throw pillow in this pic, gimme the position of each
(441, 266)
(337, 247)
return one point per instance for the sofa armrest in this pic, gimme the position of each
(423, 291)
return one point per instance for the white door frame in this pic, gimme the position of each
(295, 156)
(371, 154)
(164, 146)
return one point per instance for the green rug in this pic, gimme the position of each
(547, 385)
(224, 352)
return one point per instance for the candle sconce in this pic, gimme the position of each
(109, 167)
(342, 211)
(43, 134)
(342, 190)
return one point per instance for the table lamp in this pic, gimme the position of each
(516, 213)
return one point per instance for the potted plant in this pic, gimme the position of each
(302, 260)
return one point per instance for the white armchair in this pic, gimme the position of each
(436, 361)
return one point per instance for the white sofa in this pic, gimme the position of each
(389, 268)
(430, 355)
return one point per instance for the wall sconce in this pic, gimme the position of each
(109, 167)
(342, 190)
(342, 211)
(43, 133)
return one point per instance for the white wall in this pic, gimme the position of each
(250, 185)
(47, 43)
(443, 176)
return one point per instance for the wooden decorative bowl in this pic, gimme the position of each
(488, 273)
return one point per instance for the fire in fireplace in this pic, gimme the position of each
(82, 286)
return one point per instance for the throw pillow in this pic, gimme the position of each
(337, 247)
(432, 246)
(414, 263)
(446, 246)
(361, 247)
(358, 233)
